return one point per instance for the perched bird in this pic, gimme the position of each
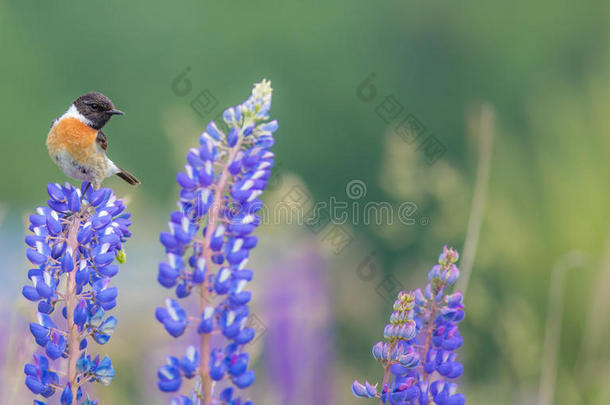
(78, 145)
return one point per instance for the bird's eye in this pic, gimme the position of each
(94, 106)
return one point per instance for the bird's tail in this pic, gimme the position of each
(128, 177)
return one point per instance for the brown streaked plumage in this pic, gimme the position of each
(78, 145)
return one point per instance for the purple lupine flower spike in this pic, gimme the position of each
(293, 337)
(207, 247)
(418, 354)
(74, 243)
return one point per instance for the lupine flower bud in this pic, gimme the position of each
(409, 359)
(220, 186)
(364, 391)
(451, 275)
(75, 240)
(378, 351)
(396, 353)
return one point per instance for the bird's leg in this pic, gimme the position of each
(85, 191)
(86, 188)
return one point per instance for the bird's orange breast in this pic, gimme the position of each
(72, 136)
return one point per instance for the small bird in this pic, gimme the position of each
(78, 145)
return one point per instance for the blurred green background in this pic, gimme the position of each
(543, 66)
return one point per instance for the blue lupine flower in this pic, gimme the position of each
(190, 362)
(173, 317)
(67, 396)
(181, 400)
(170, 376)
(421, 340)
(39, 379)
(207, 246)
(73, 245)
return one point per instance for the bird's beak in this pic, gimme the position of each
(115, 112)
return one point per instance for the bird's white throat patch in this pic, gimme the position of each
(72, 112)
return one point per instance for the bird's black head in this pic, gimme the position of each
(97, 108)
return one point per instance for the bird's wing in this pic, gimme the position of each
(101, 140)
